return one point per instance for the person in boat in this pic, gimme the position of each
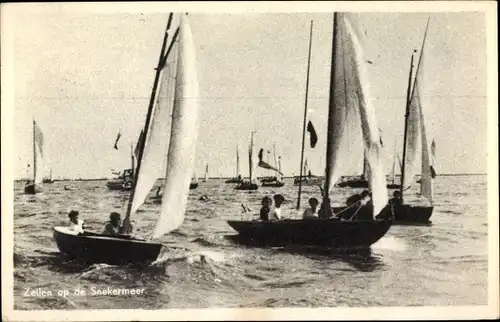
(239, 177)
(275, 212)
(313, 211)
(396, 199)
(266, 208)
(75, 224)
(309, 174)
(113, 226)
(158, 192)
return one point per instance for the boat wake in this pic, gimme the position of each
(390, 243)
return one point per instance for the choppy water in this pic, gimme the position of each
(445, 264)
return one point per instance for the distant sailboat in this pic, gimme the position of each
(415, 137)
(175, 119)
(392, 178)
(49, 179)
(251, 183)
(278, 180)
(126, 178)
(346, 102)
(32, 187)
(237, 178)
(206, 174)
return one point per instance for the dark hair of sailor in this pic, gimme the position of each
(73, 213)
(114, 215)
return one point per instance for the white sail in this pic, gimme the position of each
(38, 154)
(426, 179)
(157, 142)
(371, 134)
(185, 123)
(280, 177)
(346, 107)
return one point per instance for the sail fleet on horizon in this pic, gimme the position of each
(166, 149)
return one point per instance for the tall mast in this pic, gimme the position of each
(327, 210)
(408, 102)
(161, 61)
(407, 114)
(275, 160)
(305, 115)
(237, 161)
(34, 153)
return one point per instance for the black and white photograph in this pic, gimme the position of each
(251, 156)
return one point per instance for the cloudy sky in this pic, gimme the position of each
(86, 75)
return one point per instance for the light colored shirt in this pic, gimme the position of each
(309, 213)
(275, 213)
(109, 229)
(77, 227)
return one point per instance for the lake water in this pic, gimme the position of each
(444, 264)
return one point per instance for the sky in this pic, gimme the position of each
(86, 76)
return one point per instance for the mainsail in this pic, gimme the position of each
(350, 101)
(182, 148)
(206, 173)
(157, 141)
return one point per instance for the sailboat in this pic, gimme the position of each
(237, 178)
(49, 179)
(415, 135)
(346, 102)
(278, 180)
(250, 184)
(126, 178)
(206, 174)
(357, 181)
(194, 182)
(32, 187)
(170, 135)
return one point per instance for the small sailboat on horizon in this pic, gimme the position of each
(237, 178)
(32, 187)
(251, 184)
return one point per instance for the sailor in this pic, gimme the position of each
(396, 199)
(313, 211)
(158, 192)
(75, 224)
(112, 227)
(266, 208)
(275, 212)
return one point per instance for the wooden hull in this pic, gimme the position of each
(393, 186)
(119, 185)
(247, 186)
(308, 181)
(97, 248)
(267, 179)
(353, 184)
(330, 232)
(47, 181)
(193, 185)
(276, 184)
(403, 215)
(31, 189)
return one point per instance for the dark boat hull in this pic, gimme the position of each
(331, 232)
(275, 184)
(308, 181)
(31, 189)
(353, 184)
(118, 185)
(99, 248)
(403, 215)
(47, 181)
(193, 185)
(393, 186)
(267, 179)
(247, 186)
